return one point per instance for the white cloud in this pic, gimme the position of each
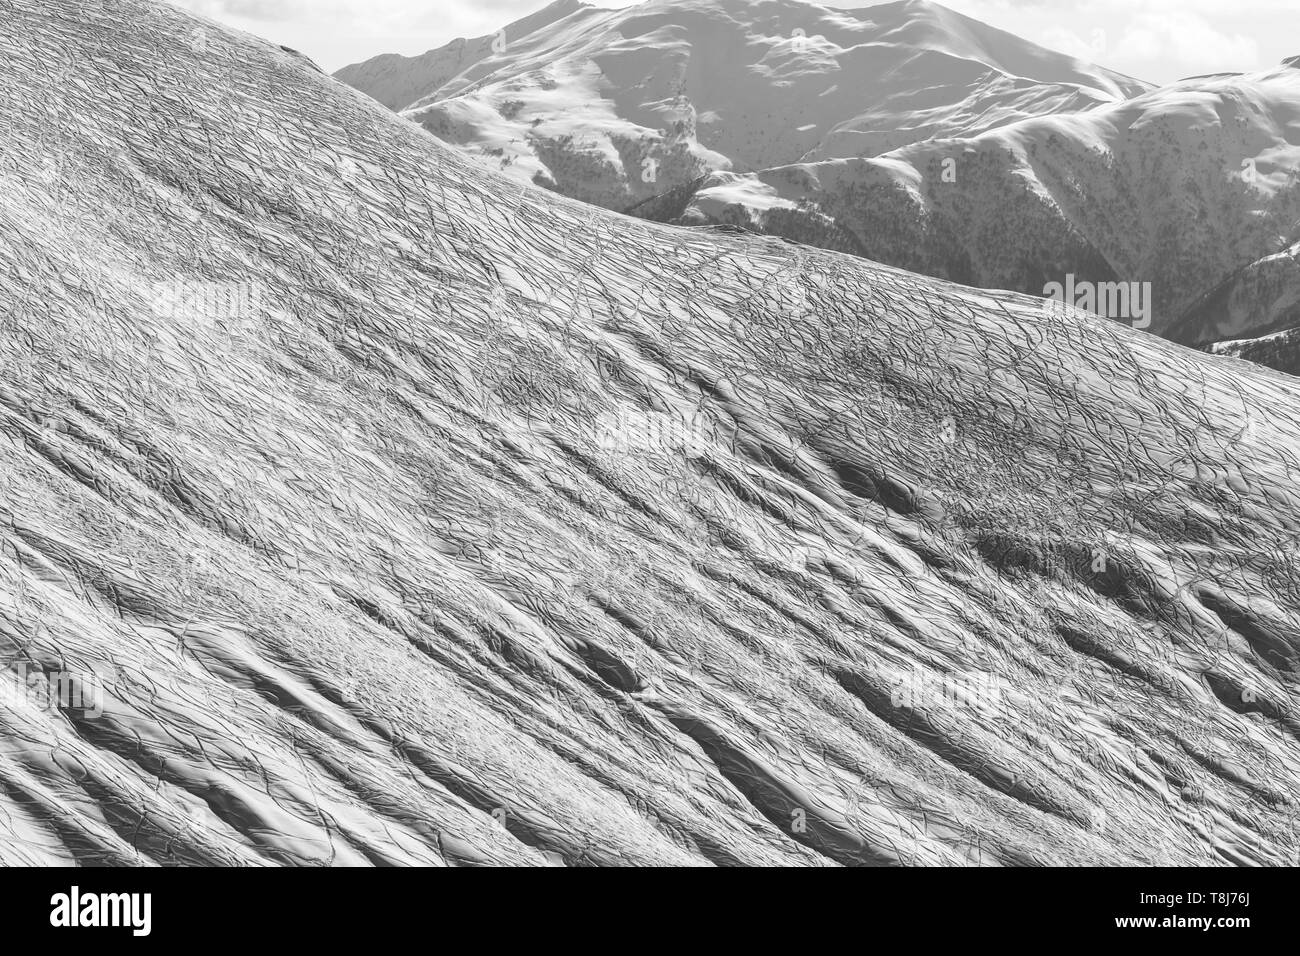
(1188, 39)
(1092, 48)
(1157, 40)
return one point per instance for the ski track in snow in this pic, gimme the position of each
(404, 515)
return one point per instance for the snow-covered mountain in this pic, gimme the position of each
(1180, 188)
(616, 106)
(903, 133)
(362, 507)
(398, 81)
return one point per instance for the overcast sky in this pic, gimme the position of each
(1156, 40)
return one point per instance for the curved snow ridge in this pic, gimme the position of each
(362, 507)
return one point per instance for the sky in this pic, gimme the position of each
(1155, 40)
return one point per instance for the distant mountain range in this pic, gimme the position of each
(905, 133)
(617, 106)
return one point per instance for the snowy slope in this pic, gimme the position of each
(400, 515)
(614, 106)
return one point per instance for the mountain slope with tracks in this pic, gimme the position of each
(378, 511)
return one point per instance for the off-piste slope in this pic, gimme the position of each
(1180, 188)
(381, 512)
(616, 106)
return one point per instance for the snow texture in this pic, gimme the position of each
(393, 513)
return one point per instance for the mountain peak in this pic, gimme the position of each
(646, 82)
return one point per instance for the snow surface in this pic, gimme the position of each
(406, 515)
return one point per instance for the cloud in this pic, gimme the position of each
(263, 10)
(1157, 40)
(369, 16)
(1176, 38)
(1092, 48)
(1188, 39)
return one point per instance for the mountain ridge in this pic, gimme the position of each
(1178, 187)
(614, 106)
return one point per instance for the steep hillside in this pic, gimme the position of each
(378, 510)
(616, 106)
(1259, 300)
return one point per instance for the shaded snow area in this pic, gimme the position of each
(360, 505)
